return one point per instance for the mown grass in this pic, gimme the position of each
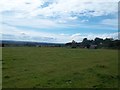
(33, 67)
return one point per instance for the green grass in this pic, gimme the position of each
(32, 67)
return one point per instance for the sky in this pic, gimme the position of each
(58, 21)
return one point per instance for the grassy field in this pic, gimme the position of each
(35, 67)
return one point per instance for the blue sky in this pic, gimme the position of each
(58, 21)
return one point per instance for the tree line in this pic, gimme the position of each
(96, 43)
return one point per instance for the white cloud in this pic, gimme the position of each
(18, 34)
(110, 22)
(54, 13)
(28, 8)
(22, 5)
(30, 22)
(31, 13)
(63, 8)
(63, 11)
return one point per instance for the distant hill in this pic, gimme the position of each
(28, 43)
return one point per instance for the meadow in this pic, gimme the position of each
(45, 67)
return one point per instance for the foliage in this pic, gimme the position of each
(99, 42)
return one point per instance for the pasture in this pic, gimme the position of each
(45, 67)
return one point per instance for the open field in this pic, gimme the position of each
(32, 67)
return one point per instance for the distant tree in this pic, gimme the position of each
(85, 39)
(3, 45)
(88, 46)
(68, 44)
(74, 45)
(86, 43)
(107, 42)
(117, 44)
(97, 41)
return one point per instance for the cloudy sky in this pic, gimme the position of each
(58, 21)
